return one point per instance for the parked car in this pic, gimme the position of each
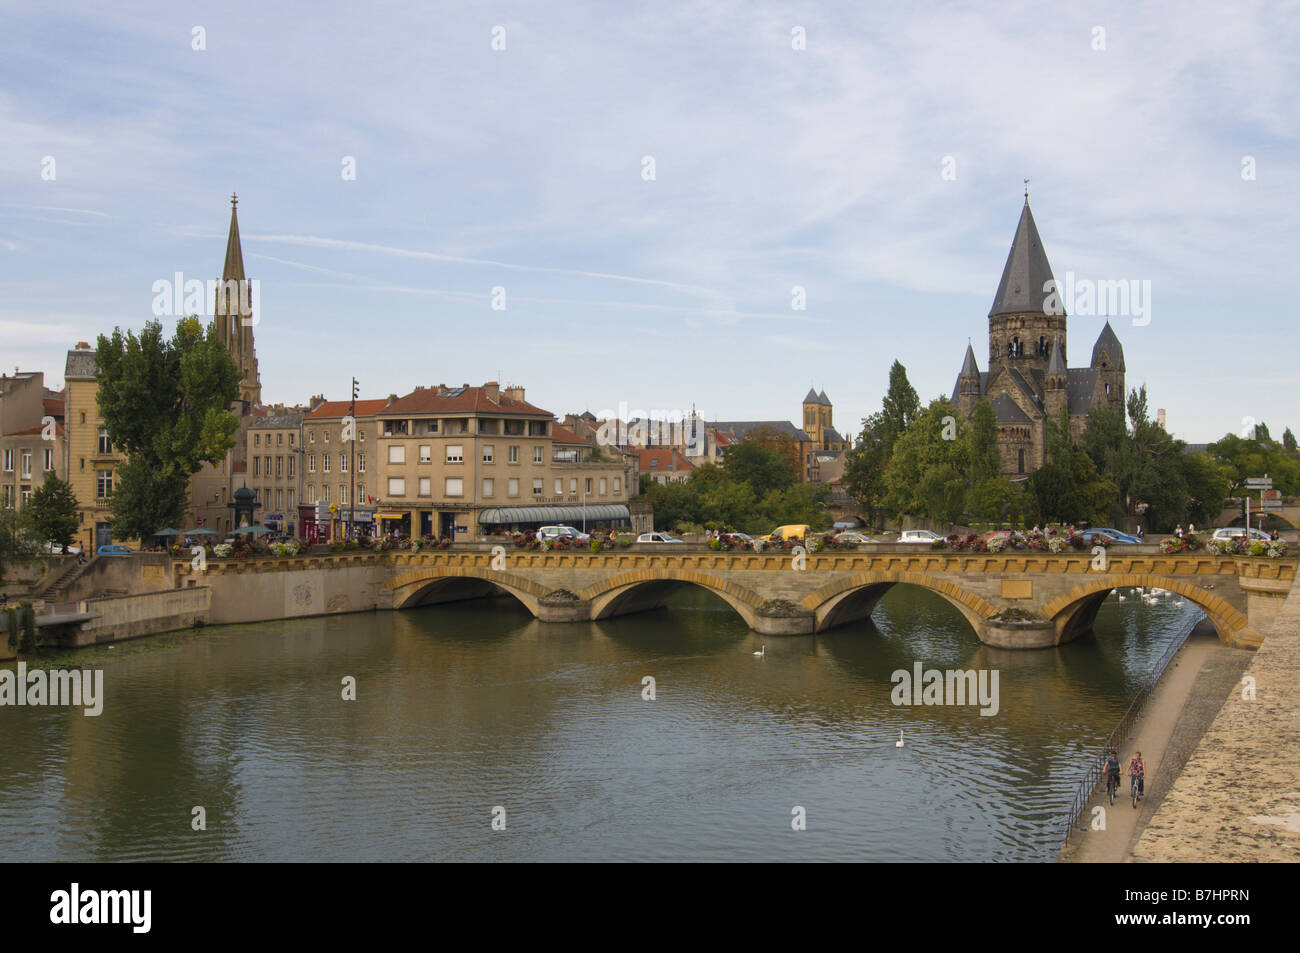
(851, 538)
(57, 549)
(1233, 532)
(116, 549)
(1114, 534)
(740, 537)
(555, 532)
(1010, 535)
(918, 536)
(795, 531)
(656, 538)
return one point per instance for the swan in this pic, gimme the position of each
(899, 742)
(762, 653)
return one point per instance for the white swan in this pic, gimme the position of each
(762, 653)
(899, 742)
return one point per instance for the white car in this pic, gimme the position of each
(1232, 532)
(852, 538)
(656, 538)
(555, 532)
(918, 536)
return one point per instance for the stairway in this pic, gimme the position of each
(55, 591)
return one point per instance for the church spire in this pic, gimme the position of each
(1025, 273)
(234, 269)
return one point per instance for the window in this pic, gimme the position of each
(513, 487)
(257, 495)
(279, 440)
(103, 484)
(537, 454)
(105, 445)
(537, 486)
(9, 461)
(325, 462)
(26, 495)
(343, 463)
(455, 486)
(257, 439)
(361, 463)
(432, 427)
(514, 454)
(257, 466)
(559, 486)
(8, 496)
(343, 494)
(654, 463)
(396, 453)
(361, 493)
(279, 499)
(573, 485)
(327, 436)
(426, 486)
(83, 416)
(618, 482)
(589, 485)
(602, 486)
(311, 436)
(311, 492)
(455, 453)
(311, 463)
(1021, 461)
(426, 453)
(290, 474)
(361, 434)
(291, 436)
(268, 466)
(324, 492)
(487, 486)
(291, 488)
(487, 453)
(49, 460)
(396, 486)
(279, 466)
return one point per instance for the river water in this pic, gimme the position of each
(469, 711)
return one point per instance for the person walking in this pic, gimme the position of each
(1179, 531)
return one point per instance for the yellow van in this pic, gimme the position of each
(795, 531)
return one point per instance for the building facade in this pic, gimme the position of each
(274, 469)
(33, 440)
(93, 461)
(1029, 380)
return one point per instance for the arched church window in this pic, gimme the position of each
(1020, 461)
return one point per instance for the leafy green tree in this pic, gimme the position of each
(864, 471)
(997, 499)
(924, 446)
(166, 405)
(52, 512)
(1261, 433)
(1208, 481)
(762, 468)
(16, 544)
(1255, 458)
(1053, 488)
(985, 460)
(1288, 440)
(900, 408)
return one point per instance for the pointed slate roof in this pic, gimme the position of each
(968, 367)
(1025, 273)
(1056, 364)
(811, 397)
(1008, 411)
(234, 268)
(1108, 342)
(823, 399)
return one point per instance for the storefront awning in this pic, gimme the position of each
(391, 516)
(553, 514)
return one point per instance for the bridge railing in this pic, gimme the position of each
(1092, 777)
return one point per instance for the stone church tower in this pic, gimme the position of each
(1029, 380)
(233, 314)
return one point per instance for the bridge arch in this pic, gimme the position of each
(853, 597)
(411, 588)
(631, 591)
(1074, 610)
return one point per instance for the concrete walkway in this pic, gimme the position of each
(1181, 707)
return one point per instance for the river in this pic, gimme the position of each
(471, 711)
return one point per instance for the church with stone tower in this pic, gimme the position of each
(1029, 380)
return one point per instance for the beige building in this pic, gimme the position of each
(92, 460)
(464, 461)
(337, 472)
(33, 441)
(274, 445)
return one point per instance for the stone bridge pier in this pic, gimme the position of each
(1012, 600)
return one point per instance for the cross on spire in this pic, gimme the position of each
(234, 199)
(1026, 191)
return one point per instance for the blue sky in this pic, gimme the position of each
(523, 168)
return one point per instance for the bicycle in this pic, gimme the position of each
(1112, 785)
(1134, 779)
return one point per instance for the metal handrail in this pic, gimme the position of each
(1092, 777)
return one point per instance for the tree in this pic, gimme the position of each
(900, 407)
(864, 470)
(166, 405)
(16, 545)
(1053, 488)
(985, 460)
(1288, 440)
(52, 512)
(764, 469)
(1261, 433)
(924, 446)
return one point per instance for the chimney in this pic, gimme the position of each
(83, 346)
(515, 392)
(1160, 418)
(492, 390)
(316, 401)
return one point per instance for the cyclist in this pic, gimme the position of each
(1112, 769)
(1137, 770)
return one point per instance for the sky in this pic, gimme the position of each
(613, 205)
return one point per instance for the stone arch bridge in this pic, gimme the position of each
(1012, 600)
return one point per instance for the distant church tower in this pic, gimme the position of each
(235, 330)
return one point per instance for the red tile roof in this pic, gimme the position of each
(471, 400)
(665, 459)
(565, 435)
(54, 406)
(339, 408)
(32, 431)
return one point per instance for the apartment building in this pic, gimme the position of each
(33, 440)
(273, 468)
(337, 476)
(464, 461)
(93, 461)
